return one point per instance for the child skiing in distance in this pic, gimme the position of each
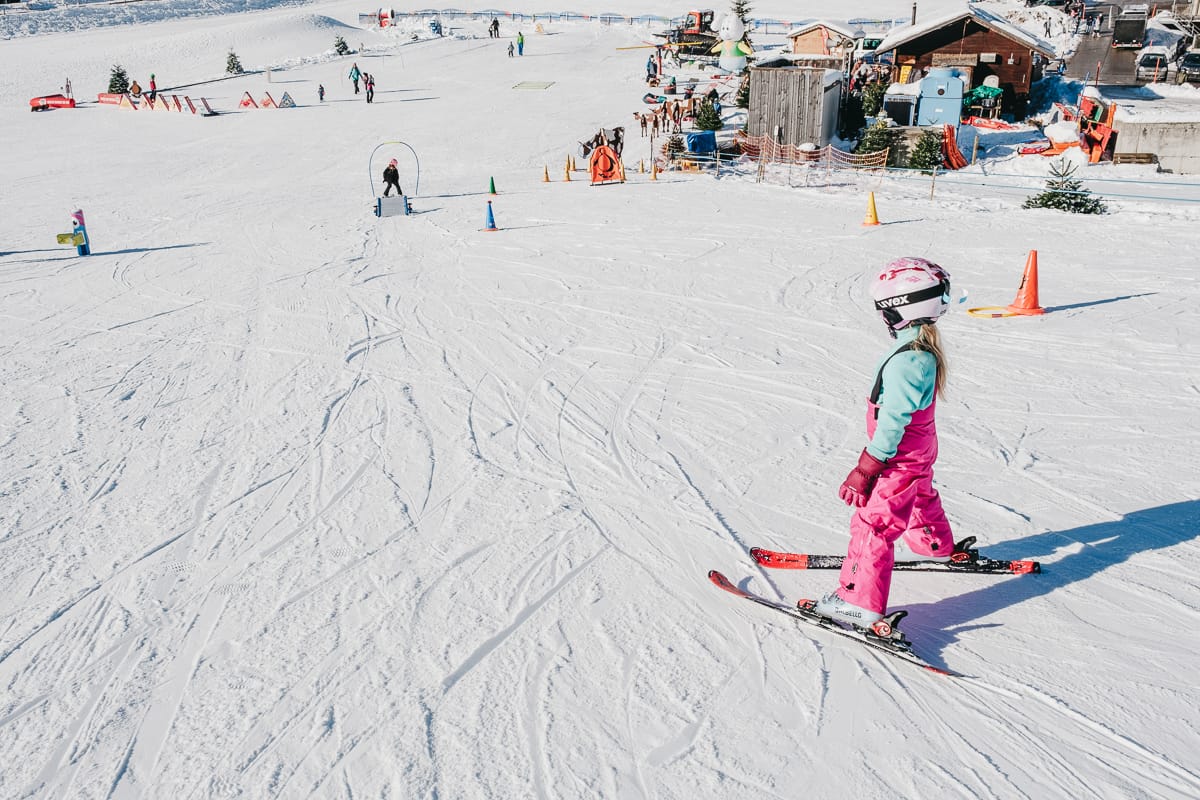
(355, 74)
(153, 88)
(510, 49)
(321, 92)
(391, 177)
(898, 513)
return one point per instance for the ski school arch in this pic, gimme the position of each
(371, 177)
(399, 202)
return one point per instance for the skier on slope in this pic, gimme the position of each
(892, 485)
(391, 178)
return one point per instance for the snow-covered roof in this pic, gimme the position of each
(832, 26)
(899, 36)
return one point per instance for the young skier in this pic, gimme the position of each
(391, 177)
(321, 92)
(892, 485)
(355, 74)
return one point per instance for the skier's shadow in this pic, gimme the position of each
(1067, 557)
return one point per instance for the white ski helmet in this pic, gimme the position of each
(910, 291)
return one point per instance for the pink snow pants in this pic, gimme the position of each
(904, 503)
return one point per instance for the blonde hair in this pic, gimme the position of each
(930, 341)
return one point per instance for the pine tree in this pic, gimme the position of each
(1065, 193)
(707, 118)
(675, 145)
(118, 81)
(927, 153)
(878, 136)
(233, 66)
(872, 97)
(743, 95)
(340, 47)
(741, 8)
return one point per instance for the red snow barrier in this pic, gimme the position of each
(951, 156)
(51, 101)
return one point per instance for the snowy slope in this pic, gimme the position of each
(302, 503)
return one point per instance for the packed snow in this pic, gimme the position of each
(300, 502)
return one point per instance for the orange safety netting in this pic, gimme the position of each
(767, 150)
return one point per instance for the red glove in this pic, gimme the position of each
(861, 481)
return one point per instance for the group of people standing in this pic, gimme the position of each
(368, 82)
(520, 45)
(135, 89)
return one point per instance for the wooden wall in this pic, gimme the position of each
(968, 41)
(813, 43)
(794, 100)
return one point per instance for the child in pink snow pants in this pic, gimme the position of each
(898, 510)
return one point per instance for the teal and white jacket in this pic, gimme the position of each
(908, 382)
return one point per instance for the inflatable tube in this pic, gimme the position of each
(652, 99)
(51, 101)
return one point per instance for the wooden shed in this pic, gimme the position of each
(978, 44)
(794, 104)
(821, 39)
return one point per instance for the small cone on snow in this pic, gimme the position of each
(653, 170)
(545, 174)
(1026, 302)
(491, 220)
(872, 216)
(572, 160)
(491, 185)
(567, 173)
(640, 167)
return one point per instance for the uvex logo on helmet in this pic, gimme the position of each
(892, 302)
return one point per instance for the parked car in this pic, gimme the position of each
(1153, 64)
(1189, 68)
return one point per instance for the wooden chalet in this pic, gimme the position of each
(979, 45)
(821, 39)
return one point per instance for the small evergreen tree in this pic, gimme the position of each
(675, 145)
(741, 9)
(872, 97)
(743, 95)
(878, 136)
(233, 65)
(1065, 193)
(707, 118)
(340, 47)
(118, 81)
(927, 153)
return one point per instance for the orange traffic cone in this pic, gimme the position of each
(872, 216)
(567, 173)
(653, 170)
(1027, 295)
(545, 174)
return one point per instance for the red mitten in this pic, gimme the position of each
(861, 481)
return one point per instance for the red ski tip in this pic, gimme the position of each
(1025, 567)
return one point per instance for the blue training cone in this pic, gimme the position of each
(491, 220)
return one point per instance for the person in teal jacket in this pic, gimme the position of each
(355, 74)
(898, 513)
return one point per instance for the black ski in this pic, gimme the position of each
(892, 642)
(965, 558)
